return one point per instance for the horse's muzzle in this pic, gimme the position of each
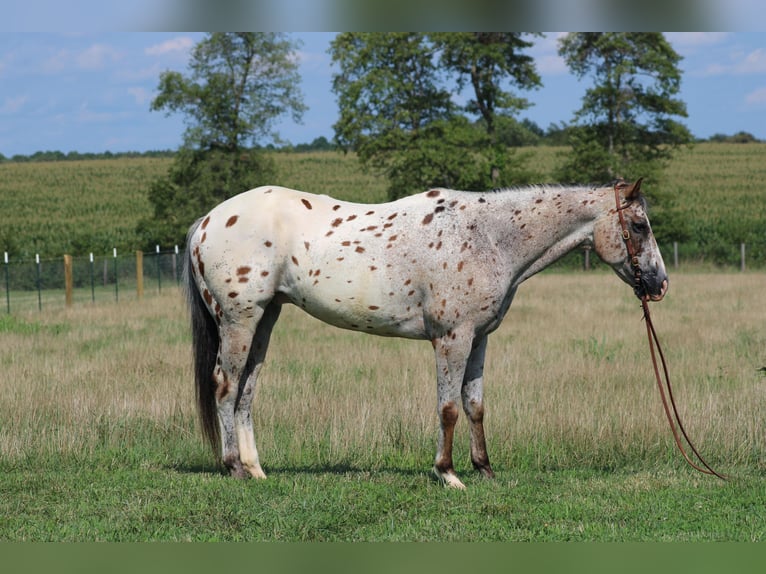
(652, 287)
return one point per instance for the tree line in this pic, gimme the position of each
(522, 133)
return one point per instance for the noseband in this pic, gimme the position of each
(703, 466)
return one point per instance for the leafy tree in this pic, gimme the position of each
(625, 126)
(238, 85)
(486, 60)
(398, 113)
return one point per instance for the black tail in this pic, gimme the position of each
(205, 342)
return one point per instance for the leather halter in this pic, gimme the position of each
(703, 466)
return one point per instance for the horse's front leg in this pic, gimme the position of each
(451, 351)
(473, 404)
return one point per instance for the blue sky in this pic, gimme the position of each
(91, 92)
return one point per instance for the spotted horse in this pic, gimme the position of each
(442, 266)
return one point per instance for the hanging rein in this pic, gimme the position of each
(663, 385)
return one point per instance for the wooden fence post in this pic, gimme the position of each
(68, 279)
(140, 273)
(742, 257)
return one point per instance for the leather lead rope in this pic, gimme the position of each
(654, 341)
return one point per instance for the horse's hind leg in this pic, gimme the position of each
(473, 405)
(243, 417)
(236, 339)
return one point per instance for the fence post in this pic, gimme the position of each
(140, 273)
(116, 278)
(7, 286)
(176, 275)
(92, 280)
(159, 272)
(39, 285)
(742, 257)
(68, 280)
(675, 254)
(587, 258)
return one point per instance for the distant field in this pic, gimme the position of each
(79, 207)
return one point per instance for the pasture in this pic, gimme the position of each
(98, 438)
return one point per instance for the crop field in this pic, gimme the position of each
(94, 206)
(98, 439)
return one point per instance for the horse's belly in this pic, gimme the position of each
(369, 311)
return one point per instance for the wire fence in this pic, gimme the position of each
(65, 281)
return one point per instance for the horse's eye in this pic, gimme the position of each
(640, 226)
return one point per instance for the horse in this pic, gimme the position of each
(441, 266)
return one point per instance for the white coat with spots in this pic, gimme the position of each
(442, 266)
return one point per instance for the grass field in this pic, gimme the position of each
(98, 439)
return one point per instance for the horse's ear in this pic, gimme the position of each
(634, 190)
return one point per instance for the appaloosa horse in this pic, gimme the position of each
(442, 265)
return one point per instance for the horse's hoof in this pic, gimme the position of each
(448, 479)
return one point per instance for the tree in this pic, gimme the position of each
(486, 60)
(238, 85)
(398, 113)
(624, 127)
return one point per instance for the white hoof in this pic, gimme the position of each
(449, 479)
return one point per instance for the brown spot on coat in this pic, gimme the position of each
(335, 207)
(359, 249)
(233, 294)
(337, 222)
(295, 260)
(351, 218)
(460, 266)
(264, 273)
(390, 217)
(433, 193)
(373, 307)
(307, 203)
(205, 223)
(232, 220)
(427, 219)
(244, 270)
(306, 244)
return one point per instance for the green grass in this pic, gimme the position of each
(98, 438)
(106, 500)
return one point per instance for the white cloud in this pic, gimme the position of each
(756, 98)
(695, 39)
(546, 55)
(13, 105)
(740, 63)
(140, 95)
(96, 57)
(753, 63)
(179, 45)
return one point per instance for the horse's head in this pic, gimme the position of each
(623, 238)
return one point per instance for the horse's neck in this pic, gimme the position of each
(541, 225)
